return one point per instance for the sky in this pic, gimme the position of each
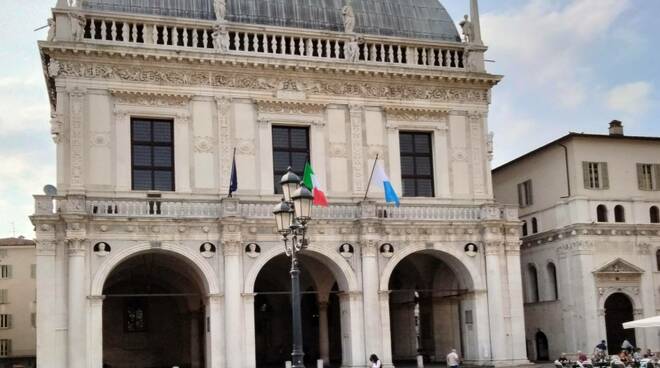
(568, 65)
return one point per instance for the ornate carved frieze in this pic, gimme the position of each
(210, 78)
(410, 114)
(476, 124)
(289, 107)
(356, 115)
(76, 116)
(223, 108)
(155, 99)
(46, 247)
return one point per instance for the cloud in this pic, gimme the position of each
(546, 44)
(631, 98)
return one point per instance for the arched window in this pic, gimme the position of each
(524, 229)
(552, 276)
(601, 213)
(619, 214)
(533, 284)
(535, 225)
(654, 214)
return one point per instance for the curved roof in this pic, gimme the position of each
(426, 19)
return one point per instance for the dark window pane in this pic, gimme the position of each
(278, 187)
(163, 156)
(298, 160)
(141, 155)
(280, 161)
(163, 180)
(422, 143)
(423, 166)
(407, 165)
(162, 132)
(424, 188)
(280, 137)
(141, 130)
(405, 143)
(299, 138)
(408, 187)
(141, 180)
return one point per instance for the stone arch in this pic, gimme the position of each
(632, 293)
(208, 275)
(341, 270)
(468, 276)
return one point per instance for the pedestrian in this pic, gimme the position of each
(627, 346)
(375, 362)
(452, 359)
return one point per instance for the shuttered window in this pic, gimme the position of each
(648, 176)
(4, 296)
(5, 271)
(152, 154)
(290, 148)
(525, 194)
(5, 347)
(416, 164)
(595, 175)
(5, 321)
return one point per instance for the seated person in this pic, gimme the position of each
(562, 359)
(582, 357)
(624, 357)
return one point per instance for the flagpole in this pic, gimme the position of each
(233, 163)
(373, 168)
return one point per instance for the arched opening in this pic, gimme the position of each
(552, 277)
(535, 225)
(153, 313)
(533, 284)
(654, 215)
(320, 306)
(542, 350)
(524, 228)
(619, 214)
(430, 309)
(618, 309)
(601, 213)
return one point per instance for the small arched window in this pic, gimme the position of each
(657, 259)
(535, 225)
(601, 213)
(619, 214)
(524, 228)
(654, 214)
(533, 284)
(552, 277)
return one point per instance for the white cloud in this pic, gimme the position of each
(631, 98)
(545, 44)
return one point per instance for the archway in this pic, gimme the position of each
(618, 309)
(321, 312)
(153, 313)
(430, 307)
(542, 349)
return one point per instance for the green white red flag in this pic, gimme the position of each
(311, 182)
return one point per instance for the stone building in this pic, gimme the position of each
(17, 302)
(143, 258)
(591, 226)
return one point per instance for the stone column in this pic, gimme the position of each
(324, 339)
(233, 302)
(76, 341)
(215, 345)
(385, 328)
(95, 348)
(370, 299)
(494, 250)
(249, 332)
(514, 275)
(46, 291)
(352, 330)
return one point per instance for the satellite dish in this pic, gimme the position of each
(50, 190)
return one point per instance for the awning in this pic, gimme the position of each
(643, 323)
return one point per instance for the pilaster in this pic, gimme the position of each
(77, 98)
(356, 117)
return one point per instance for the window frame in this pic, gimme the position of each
(5, 321)
(596, 175)
(5, 348)
(654, 215)
(415, 155)
(5, 271)
(648, 177)
(151, 144)
(525, 194)
(144, 305)
(277, 189)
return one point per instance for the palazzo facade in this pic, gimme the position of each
(144, 260)
(591, 240)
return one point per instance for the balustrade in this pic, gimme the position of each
(244, 40)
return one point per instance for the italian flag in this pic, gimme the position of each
(311, 182)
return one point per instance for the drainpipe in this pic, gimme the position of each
(568, 177)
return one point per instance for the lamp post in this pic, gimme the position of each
(291, 216)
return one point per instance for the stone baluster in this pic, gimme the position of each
(125, 32)
(301, 46)
(195, 37)
(166, 35)
(175, 36)
(255, 42)
(319, 48)
(134, 33)
(113, 31)
(154, 34)
(185, 37)
(273, 44)
(245, 42)
(390, 53)
(104, 30)
(310, 47)
(92, 28)
(336, 49)
(205, 39)
(328, 48)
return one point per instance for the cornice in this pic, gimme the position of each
(591, 230)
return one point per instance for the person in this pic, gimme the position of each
(637, 354)
(375, 362)
(563, 360)
(452, 359)
(624, 357)
(600, 350)
(648, 354)
(626, 345)
(581, 357)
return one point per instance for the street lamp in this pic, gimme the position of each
(291, 217)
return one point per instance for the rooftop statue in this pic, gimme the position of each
(349, 18)
(468, 29)
(220, 9)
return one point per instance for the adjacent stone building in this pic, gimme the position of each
(591, 239)
(143, 258)
(17, 302)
